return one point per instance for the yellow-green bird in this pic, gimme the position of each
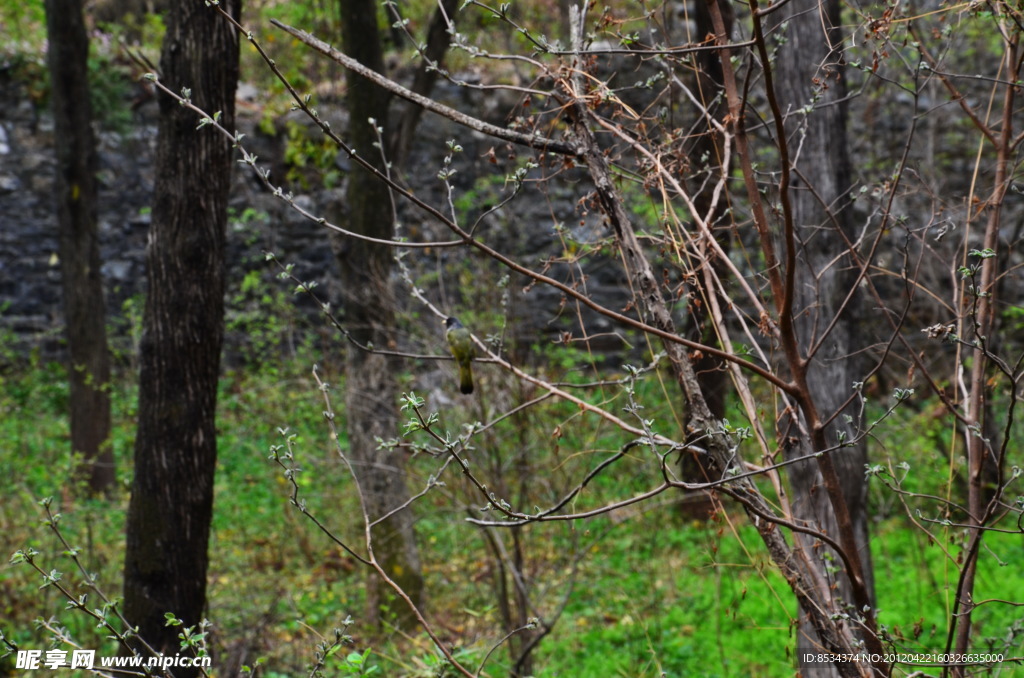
(461, 345)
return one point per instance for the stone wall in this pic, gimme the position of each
(455, 278)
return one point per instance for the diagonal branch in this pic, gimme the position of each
(531, 140)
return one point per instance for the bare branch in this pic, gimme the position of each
(531, 140)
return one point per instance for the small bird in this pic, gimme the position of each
(461, 345)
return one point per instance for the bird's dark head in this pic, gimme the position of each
(452, 323)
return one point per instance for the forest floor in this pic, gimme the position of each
(646, 592)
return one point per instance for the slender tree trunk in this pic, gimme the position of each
(371, 388)
(983, 321)
(711, 373)
(710, 370)
(176, 445)
(809, 72)
(84, 306)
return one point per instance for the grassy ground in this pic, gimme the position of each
(646, 591)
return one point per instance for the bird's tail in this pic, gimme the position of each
(466, 379)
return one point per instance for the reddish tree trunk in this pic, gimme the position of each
(809, 73)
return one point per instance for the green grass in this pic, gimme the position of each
(653, 592)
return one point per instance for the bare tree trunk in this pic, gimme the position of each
(176, 445)
(84, 306)
(371, 389)
(711, 373)
(809, 73)
(983, 323)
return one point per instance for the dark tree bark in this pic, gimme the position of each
(371, 389)
(809, 72)
(711, 373)
(176, 445)
(84, 306)
(710, 370)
